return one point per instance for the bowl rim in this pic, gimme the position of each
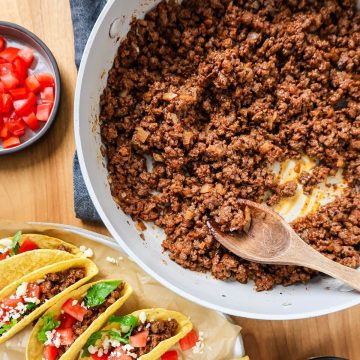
(152, 272)
(55, 70)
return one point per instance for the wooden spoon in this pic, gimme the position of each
(271, 240)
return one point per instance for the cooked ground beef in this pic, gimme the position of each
(159, 330)
(213, 92)
(54, 283)
(64, 248)
(93, 313)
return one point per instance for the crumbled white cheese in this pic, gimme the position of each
(74, 302)
(92, 349)
(83, 305)
(142, 316)
(49, 337)
(88, 253)
(33, 300)
(21, 289)
(7, 242)
(200, 345)
(111, 260)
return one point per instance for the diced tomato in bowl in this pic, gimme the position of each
(25, 90)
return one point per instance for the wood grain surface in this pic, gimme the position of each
(36, 184)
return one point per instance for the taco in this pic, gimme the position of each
(24, 253)
(26, 299)
(65, 327)
(144, 335)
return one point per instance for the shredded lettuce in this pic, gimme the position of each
(7, 327)
(91, 342)
(49, 323)
(16, 245)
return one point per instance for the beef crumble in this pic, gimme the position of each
(159, 330)
(55, 283)
(216, 91)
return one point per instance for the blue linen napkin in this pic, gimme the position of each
(84, 14)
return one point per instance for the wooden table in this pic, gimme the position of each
(36, 184)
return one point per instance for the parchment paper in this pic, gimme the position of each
(219, 334)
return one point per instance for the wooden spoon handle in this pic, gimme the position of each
(306, 256)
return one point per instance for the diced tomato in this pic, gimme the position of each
(32, 122)
(10, 142)
(47, 95)
(45, 79)
(50, 352)
(12, 303)
(32, 83)
(20, 68)
(43, 111)
(5, 103)
(97, 357)
(189, 340)
(170, 355)
(10, 80)
(2, 43)
(18, 93)
(6, 68)
(76, 310)
(4, 132)
(9, 53)
(28, 245)
(27, 55)
(140, 339)
(67, 336)
(15, 124)
(33, 290)
(3, 255)
(2, 87)
(66, 321)
(24, 106)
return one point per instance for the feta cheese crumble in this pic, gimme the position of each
(88, 253)
(200, 345)
(142, 316)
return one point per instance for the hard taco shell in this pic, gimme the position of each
(90, 268)
(185, 326)
(35, 350)
(19, 265)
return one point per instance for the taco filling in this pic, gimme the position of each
(58, 333)
(10, 247)
(132, 339)
(31, 295)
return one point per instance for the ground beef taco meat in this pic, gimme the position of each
(213, 92)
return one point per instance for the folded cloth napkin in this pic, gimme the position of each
(84, 14)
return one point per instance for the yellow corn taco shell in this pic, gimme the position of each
(185, 326)
(35, 348)
(19, 265)
(90, 268)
